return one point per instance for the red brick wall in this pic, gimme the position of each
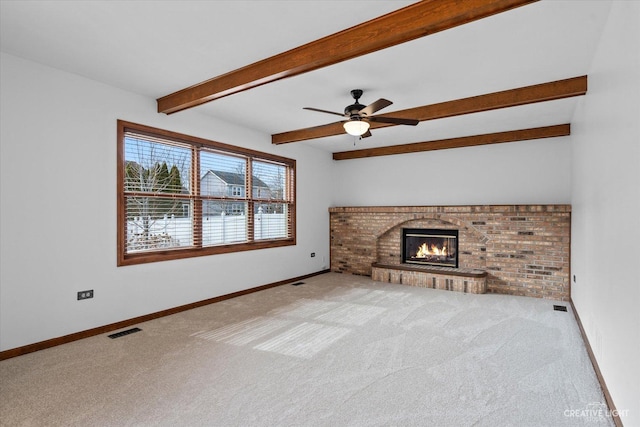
(524, 248)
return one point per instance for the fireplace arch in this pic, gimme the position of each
(471, 243)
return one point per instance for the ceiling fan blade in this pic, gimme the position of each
(322, 111)
(394, 120)
(367, 134)
(376, 106)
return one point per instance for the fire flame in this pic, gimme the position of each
(425, 251)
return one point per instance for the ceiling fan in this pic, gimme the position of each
(359, 116)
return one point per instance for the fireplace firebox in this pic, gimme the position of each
(434, 247)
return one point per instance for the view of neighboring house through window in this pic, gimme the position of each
(182, 196)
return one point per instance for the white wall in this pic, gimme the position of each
(58, 210)
(605, 254)
(526, 172)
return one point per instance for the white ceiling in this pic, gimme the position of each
(157, 47)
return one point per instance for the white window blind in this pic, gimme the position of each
(157, 203)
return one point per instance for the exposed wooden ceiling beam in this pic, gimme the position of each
(466, 141)
(409, 23)
(559, 89)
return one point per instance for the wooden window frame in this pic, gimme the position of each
(124, 258)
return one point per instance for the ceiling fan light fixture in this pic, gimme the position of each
(356, 127)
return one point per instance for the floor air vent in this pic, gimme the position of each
(560, 307)
(123, 333)
(297, 284)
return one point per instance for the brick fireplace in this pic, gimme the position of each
(521, 249)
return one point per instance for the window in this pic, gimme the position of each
(236, 190)
(181, 196)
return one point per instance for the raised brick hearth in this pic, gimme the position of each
(523, 248)
(446, 278)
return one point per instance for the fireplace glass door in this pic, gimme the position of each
(430, 247)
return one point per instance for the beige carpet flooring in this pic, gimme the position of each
(338, 350)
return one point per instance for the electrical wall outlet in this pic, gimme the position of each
(85, 294)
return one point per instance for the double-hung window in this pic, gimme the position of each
(180, 196)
